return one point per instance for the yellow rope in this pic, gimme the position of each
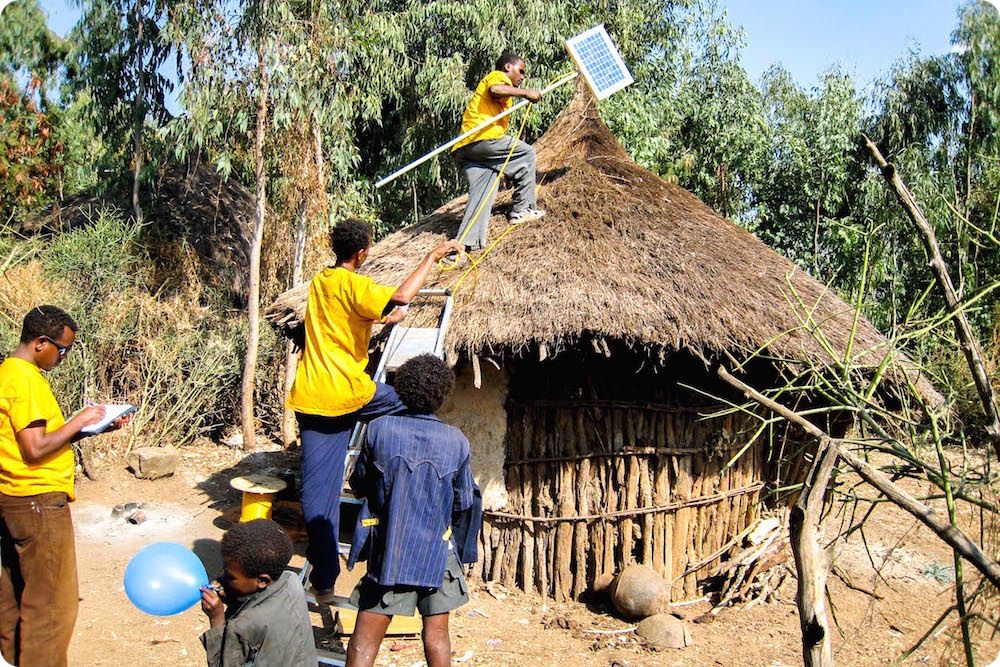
(473, 268)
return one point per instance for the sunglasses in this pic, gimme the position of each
(63, 349)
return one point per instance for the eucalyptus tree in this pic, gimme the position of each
(804, 200)
(119, 51)
(937, 118)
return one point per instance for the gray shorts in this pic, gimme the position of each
(404, 600)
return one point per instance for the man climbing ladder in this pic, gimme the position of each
(482, 155)
(332, 392)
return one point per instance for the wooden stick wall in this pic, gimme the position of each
(546, 553)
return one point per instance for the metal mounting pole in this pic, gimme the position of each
(419, 161)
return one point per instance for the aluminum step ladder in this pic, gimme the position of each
(402, 344)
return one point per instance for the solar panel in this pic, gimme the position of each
(598, 60)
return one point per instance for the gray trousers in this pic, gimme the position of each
(481, 162)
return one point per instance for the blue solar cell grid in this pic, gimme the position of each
(596, 56)
(598, 60)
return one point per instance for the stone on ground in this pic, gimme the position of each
(664, 631)
(153, 462)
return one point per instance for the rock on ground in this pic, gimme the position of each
(639, 592)
(664, 631)
(153, 462)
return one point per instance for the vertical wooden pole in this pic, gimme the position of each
(527, 504)
(581, 529)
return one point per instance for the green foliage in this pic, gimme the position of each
(29, 47)
(177, 362)
(804, 196)
(62, 162)
(117, 58)
(100, 259)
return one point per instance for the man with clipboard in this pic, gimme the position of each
(39, 595)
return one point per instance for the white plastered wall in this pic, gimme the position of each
(481, 416)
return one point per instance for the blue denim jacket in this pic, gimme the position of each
(415, 476)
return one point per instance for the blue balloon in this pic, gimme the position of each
(164, 579)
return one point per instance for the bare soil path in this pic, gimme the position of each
(518, 629)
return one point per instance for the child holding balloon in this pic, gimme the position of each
(265, 620)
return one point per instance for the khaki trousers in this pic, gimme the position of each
(39, 595)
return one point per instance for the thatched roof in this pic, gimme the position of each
(623, 255)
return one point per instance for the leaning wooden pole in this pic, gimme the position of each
(248, 386)
(954, 537)
(968, 343)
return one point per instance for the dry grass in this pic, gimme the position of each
(138, 342)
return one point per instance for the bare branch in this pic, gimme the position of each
(953, 536)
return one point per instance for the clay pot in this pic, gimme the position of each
(639, 592)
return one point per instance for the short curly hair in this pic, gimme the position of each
(48, 321)
(349, 237)
(507, 58)
(423, 383)
(259, 547)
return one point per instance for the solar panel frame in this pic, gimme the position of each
(595, 55)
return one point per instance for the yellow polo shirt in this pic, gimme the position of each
(26, 397)
(483, 106)
(330, 380)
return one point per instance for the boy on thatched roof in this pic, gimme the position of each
(332, 391)
(483, 154)
(420, 520)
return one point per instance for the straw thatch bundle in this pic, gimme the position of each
(622, 255)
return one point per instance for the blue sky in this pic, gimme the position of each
(806, 36)
(864, 36)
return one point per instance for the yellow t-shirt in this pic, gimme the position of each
(26, 397)
(331, 379)
(483, 106)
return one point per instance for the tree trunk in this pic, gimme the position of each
(968, 343)
(253, 300)
(812, 561)
(288, 434)
(138, 117)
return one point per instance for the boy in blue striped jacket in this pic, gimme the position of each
(420, 519)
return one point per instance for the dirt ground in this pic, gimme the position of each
(191, 508)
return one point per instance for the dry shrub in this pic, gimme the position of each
(153, 338)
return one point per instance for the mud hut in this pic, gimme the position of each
(585, 333)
